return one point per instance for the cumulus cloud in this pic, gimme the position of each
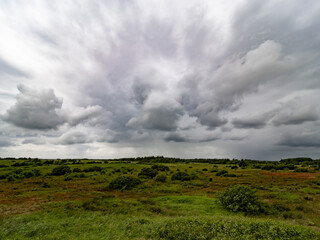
(158, 113)
(35, 109)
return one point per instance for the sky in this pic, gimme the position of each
(184, 78)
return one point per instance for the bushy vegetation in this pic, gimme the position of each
(181, 176)
(162, 177)
(224, 228)
(240, 198)
(124, 183)
(61, 170)
(160, 167)
(95, 225)
(148, 173)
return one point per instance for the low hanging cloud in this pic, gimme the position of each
(304, 139)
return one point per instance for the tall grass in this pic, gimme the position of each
(96, 225)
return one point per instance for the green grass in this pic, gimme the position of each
(286, 196)
(193, 205)
(47, 207)
(96, 225)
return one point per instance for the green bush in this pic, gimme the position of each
(93, 169)
(76, 170)
(182, 176)
(148, 173)
(36, 172)
(28, 174)
(162, 177)
(124, 183)
(61, 170)
(222, 173)
(159, 167)
(241, 199)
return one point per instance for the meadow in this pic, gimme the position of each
(157, 198)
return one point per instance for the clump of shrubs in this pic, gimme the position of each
(241, 199)
(301, 170)
(93, 169)
(162, 177)
(160, 168)
(181, 176)
(76, 170)
(148, 173)
(225, 173)
(61, 170)
(124, 183)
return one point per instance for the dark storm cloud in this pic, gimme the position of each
(256, 123)
(175, 137)
(301, 140)
(35, 109)
(184, 137)
(5, 143)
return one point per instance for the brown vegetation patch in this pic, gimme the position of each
(293, 175)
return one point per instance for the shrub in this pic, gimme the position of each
(148, 173)
(301, 170)
(28, 174)
(61, 170)
(124, 183)
(182, 176)
(159, 167)
(222, 173)
(36, 172)
(93, 169)
(76, 170)
(161, 177)
(240, 199)
(68, 178)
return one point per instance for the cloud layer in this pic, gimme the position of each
(183, 78)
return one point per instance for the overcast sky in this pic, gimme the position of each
(182, 78)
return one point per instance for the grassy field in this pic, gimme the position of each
(168, 199)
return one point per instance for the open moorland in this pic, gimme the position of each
(159, 198)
